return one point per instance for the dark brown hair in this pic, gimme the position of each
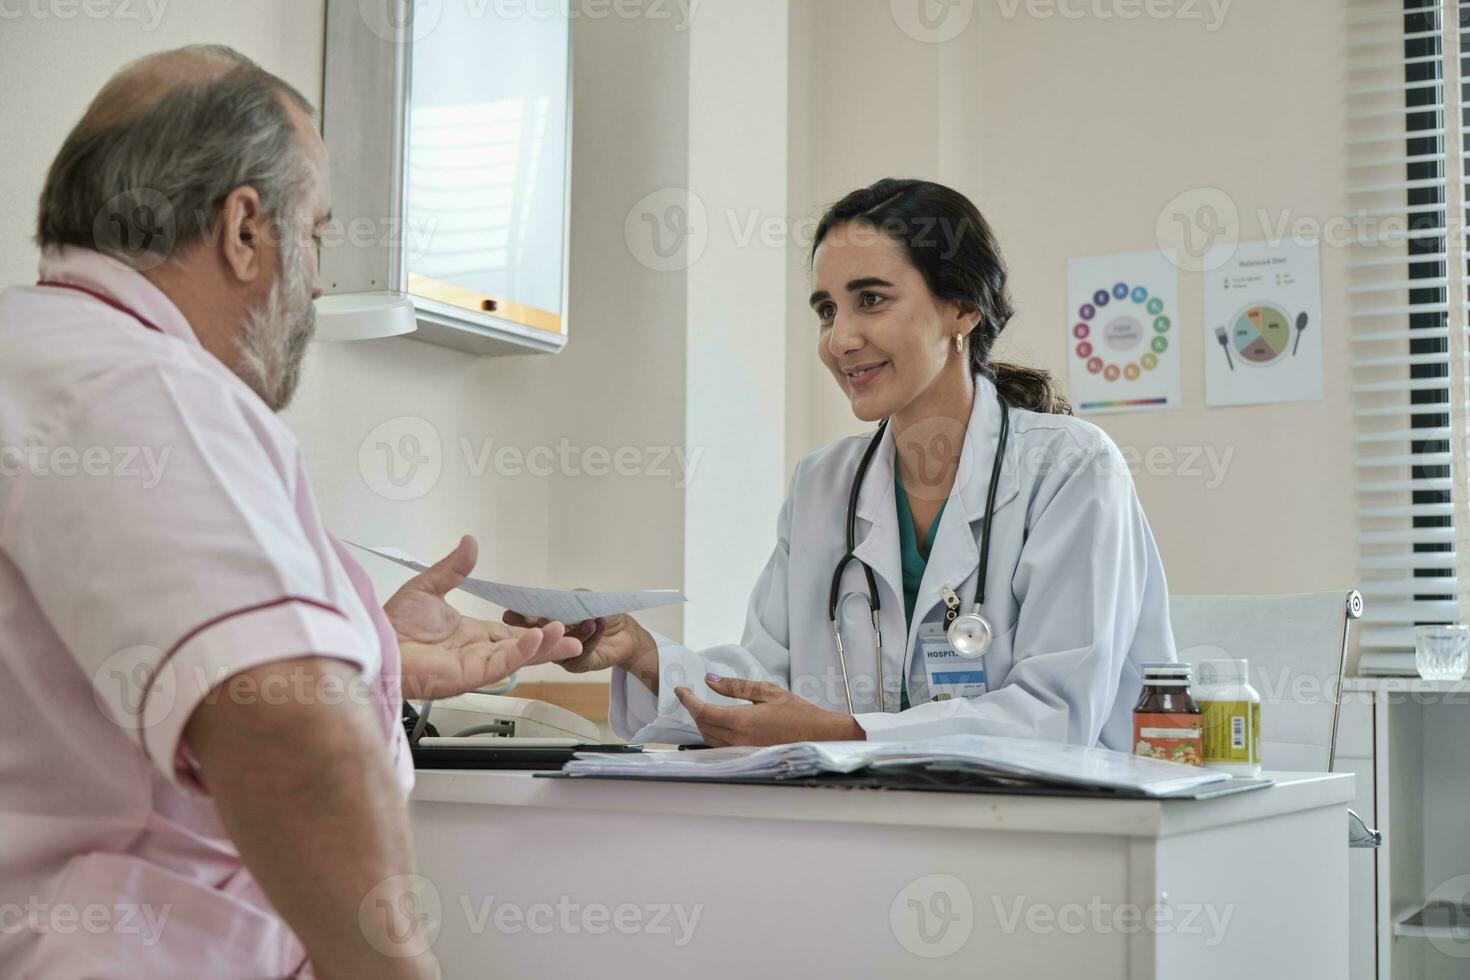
(951, 244)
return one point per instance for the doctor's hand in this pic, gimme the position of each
(446, 653)
(613, 641)
(775, 716)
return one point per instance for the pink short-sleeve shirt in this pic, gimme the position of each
(157, 537)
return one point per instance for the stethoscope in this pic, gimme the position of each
(969, 633)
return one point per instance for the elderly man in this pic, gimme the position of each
(202, 771)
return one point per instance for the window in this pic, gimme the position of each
(1407, 176)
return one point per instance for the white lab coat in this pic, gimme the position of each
(1075, 593)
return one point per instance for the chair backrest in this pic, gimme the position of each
(1295, 645)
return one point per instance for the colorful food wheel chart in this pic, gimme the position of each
(1123, 332)
(1261, 334)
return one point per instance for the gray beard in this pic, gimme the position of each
(277, 333)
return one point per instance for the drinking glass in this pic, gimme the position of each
(1442, 653)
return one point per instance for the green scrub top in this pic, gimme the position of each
(914, 560)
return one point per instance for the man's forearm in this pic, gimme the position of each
(307, 792)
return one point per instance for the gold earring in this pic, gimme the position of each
(959, 343)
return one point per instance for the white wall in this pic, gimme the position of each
(1072, 135)
(737, 308)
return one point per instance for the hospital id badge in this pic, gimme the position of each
(950, 675)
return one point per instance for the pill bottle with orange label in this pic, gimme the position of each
(1167, 723)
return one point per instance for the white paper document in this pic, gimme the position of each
(564, 607)
(1024, 760)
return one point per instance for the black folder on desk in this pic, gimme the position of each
(929, 781)
(501, 753)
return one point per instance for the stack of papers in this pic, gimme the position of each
(984, 756)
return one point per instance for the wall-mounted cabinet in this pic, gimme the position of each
(449, 127)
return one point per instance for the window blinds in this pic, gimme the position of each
(1407, 314)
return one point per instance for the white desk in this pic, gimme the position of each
(561, 878)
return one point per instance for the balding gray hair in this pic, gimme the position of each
(144, 174)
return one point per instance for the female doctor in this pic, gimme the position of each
(979, 504)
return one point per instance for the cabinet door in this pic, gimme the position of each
(487, 163)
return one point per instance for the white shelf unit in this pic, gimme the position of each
(1407, 738)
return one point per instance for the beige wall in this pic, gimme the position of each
(1073, 135)
(869, 109)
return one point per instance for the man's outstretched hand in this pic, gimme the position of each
(446, 653)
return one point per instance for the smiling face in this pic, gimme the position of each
(884, 336)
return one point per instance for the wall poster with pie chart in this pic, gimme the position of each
(1263, 324)
(1123, 332)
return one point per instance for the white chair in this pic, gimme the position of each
(1297, 648)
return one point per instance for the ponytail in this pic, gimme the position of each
(1027, 388)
